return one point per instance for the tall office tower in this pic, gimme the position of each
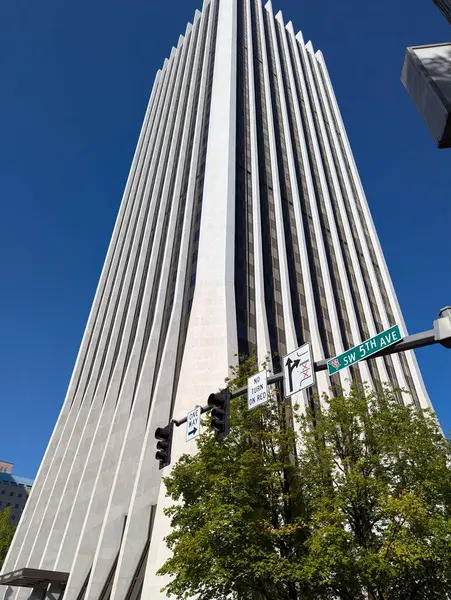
(243, 228)
(444, 7)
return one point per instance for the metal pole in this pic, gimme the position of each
(439, 335)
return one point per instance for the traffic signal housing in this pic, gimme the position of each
(220, 414)
(164, 445)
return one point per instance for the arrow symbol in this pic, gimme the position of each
(291, 364)
(193, 431)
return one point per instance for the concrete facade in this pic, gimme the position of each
(243, 228)
(426, 75)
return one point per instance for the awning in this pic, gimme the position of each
(33, 578)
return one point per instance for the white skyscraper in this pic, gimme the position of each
(243, 228)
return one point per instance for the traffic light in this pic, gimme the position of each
(220, 403)
(164, 434)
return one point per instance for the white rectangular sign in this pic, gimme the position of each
(193, 424)
(298, 372)
(257, 390)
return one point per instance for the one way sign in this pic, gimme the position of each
(298, 372)
(193, 424)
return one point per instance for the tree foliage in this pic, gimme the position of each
(353, 502)
(6, 533)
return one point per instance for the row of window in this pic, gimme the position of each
(191, 271)
(362, 220)
(8, 504)
(269, 230)
(271, 256)
(3, 492)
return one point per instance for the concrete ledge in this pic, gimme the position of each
(426, 75)
(33, 578)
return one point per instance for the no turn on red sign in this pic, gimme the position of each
(257, 390)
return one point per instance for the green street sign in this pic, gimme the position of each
(354, 355)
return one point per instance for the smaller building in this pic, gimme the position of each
(14, 491)
(6, 467)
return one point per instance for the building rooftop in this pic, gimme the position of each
(15, 479)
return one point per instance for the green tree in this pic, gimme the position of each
(6, 533)
(352, 503)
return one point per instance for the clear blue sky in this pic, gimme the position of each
(75, 79)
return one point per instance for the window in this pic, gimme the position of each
(3, 491)
(19, 495)
(16, 506)
(11, 493)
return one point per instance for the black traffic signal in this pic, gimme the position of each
(220, 414)
(164, 434)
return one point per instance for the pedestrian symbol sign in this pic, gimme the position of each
(193, 424)
(298, 370)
